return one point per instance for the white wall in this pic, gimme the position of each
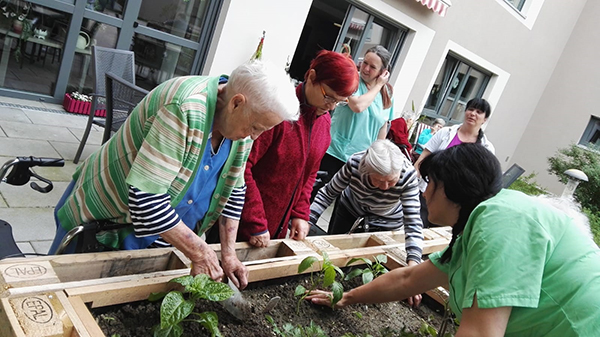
(241, 25)
(568, 101)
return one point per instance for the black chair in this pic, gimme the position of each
(121, 97)
(121, 62)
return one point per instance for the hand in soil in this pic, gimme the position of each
(321, 297)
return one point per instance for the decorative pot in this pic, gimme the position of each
(83, 40)
(17, 26)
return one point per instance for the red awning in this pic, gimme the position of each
(438, 6)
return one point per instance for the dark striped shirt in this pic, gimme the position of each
(393, 208)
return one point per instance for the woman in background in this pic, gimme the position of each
(357, 124)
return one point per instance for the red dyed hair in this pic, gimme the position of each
(336, 70)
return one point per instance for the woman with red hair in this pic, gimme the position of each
(283, 163)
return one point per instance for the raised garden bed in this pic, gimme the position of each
(53, 296)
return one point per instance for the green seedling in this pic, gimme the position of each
(288, 330)
(325, 280)
(175, 308)
(372, 270)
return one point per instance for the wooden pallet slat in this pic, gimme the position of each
(71, 283)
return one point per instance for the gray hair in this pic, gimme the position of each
(439, 121)
(267, 88)
(382, 157)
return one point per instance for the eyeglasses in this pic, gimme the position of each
(329, 100)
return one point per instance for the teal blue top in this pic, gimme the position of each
(353, 132)
(517, 252)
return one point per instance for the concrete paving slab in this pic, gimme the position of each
(26, 147)
(26, 197)
(68, 150)
(26, 247)
(30, 224)
(22, 101)
(14, 115)
(42, 246)
(95, 136)
(39, 132)
(3, 203)
(54, 119)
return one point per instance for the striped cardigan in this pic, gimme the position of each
(157, 150)
(391, 209)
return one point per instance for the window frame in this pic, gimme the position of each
(447, 89)
(399, 33)
(591, 129)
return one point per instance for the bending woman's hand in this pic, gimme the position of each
(321, 297)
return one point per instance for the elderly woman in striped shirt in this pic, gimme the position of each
(379, 184)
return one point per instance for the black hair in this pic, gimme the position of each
(470, 174)
(483, 105)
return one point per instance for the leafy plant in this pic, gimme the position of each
(588, 161)
(175, 308)
(527, 185)
(288, 330)
(373, 269)
(325, 279)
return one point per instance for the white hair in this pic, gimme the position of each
(571, 208)
(382, 157)
(267, 88)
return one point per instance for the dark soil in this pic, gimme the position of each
(138, 319)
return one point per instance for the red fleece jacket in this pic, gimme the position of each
(281, 159)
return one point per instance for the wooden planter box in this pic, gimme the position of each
(80, 107)
(50, 296)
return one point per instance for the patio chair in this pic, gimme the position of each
(121, 97)
(119, 62)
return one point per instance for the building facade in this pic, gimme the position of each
(533, 60)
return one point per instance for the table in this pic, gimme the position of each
(9, 35)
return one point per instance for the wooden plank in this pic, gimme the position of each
(79, 329)
(24, 273)
(10, 325)
(88, 321)
(41, 315)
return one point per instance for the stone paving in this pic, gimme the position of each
(31, 128)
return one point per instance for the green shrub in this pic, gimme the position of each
(575, 157)
(527, 185)
(594, 224)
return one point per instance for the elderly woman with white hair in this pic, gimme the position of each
(176, 166)
(379, 184)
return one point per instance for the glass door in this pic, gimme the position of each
(170, 38)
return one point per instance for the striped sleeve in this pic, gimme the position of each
(151, 214)
(235, 203)
(413, 226)
(329, 192)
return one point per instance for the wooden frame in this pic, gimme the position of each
(51, 296)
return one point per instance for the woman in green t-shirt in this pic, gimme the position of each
(516, 267)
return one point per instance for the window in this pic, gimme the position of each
(456, 84)
(517, 4)
(591, 135)
(332, 23)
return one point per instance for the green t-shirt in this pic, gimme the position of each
(517, 252)
(353, 132)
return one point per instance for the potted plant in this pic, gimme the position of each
(76, 102)
(15, 18)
